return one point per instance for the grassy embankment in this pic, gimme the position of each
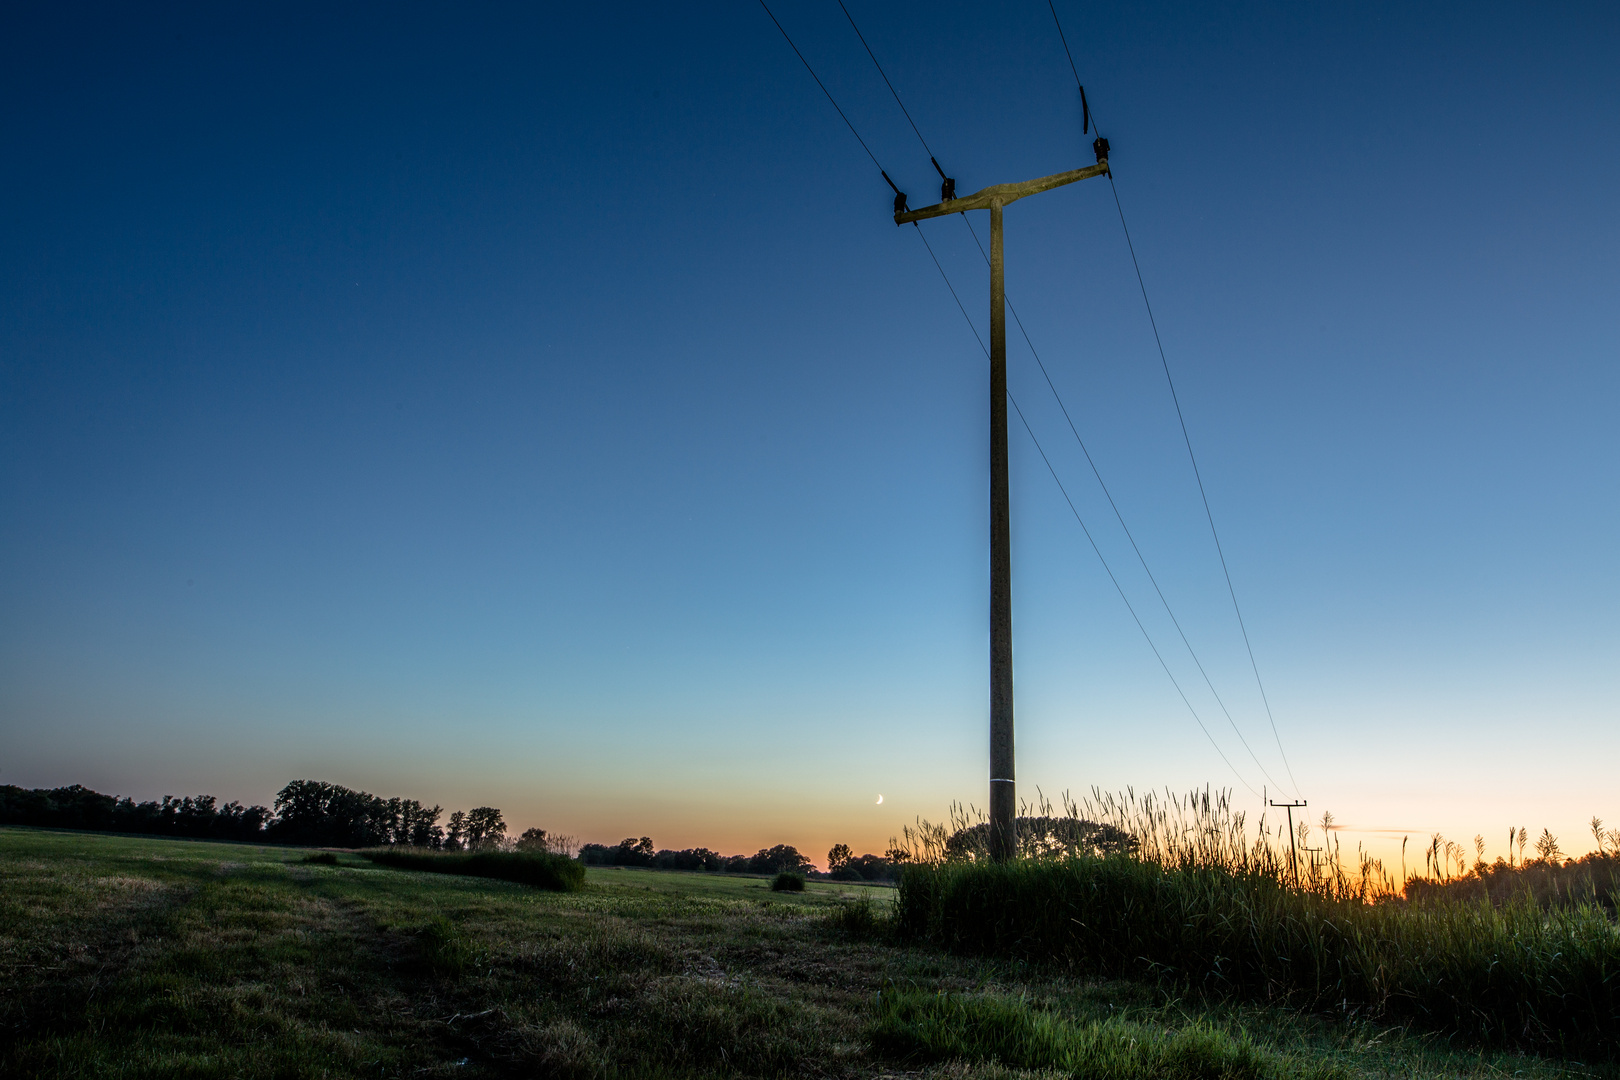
(136, 957)
(1514, 974)
(1204, 905)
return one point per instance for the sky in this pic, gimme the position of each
(537, 407)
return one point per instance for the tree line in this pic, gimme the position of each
(305, 812)
(633, 852)
(842, 863)
(318, 814)
(1550, 878)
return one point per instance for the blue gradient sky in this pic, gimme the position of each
(538, 408)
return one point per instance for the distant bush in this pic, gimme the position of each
(787, 881)
(540, 869)
(324, 858)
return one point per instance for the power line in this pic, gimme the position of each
(1075, 511)
(1059, 397)
(886, 81)
(824, 90)
(1186, 438)
(1065, 41)
(1120, 517)
(833, 102)
(1202, 494)
(1128, 606)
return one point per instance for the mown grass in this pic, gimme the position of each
(1011, 1031)
(137, 958)
(539, 869)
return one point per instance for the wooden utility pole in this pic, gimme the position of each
(1003, 795)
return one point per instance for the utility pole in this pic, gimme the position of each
(1293, 855)
(1003, 796)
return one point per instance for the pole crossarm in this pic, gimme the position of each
(1002, 194)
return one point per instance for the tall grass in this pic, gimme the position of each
(541, 869)
(1203, 904)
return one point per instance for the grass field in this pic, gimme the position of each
(135, 957)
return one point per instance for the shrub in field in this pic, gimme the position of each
(324, 858)
(1221, 915)
(445, 949)
(787, 881)
(540, 869)
(857, 917)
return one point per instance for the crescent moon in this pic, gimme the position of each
(880, 800)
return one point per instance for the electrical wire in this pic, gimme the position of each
(1075, 511)
(1065, 41)
(1208, 682)
(946, 278)
(1182, 420)
(1120, 517)
(1202, 494)
(887, 83)
(824, 90)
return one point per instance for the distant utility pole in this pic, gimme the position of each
(1003, 796)
(1293, 855)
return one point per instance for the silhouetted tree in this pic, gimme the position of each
(306, 812)
(838, 857)
(314, 812)
(456, 835)
(688, 859)
(774, 860)
(418, 825)
(1038, 836)
(485, 828)
(867, 868)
